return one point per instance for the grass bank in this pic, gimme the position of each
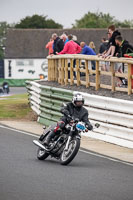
(15, 107)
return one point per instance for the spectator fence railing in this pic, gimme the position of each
(60, 65)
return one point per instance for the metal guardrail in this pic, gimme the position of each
(114, 115)
(46, 101)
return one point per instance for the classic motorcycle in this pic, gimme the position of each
(65, 144)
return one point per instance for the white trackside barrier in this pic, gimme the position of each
(106, 103)
(115, 116)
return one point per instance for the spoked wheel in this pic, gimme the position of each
(42, 154)
(68, 156)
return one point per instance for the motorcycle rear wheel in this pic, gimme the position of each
(67, 156)
(42, 154)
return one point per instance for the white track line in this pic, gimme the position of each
(87, 152)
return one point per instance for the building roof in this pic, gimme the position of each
(30, 43)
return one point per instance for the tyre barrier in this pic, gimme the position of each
(115, 116)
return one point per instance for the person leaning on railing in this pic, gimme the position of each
(86, 50)
(124, 48)
(112, 47)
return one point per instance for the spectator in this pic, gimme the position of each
(124, 48)
(88, 51)
(112, 47)
(58, 44)
(103, 48)
(49, 46)
(103, 45)
(75, 39)
(64, 38)
(70, 47)
(92, 46)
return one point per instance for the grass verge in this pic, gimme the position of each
(15, 107)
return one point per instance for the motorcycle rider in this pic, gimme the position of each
(76, 110)
(5, 86)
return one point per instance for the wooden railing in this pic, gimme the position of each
(60, 65)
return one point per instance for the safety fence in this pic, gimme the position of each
(47, 101)
(78, 69)
(114, 115)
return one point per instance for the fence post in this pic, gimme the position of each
(53, 70)
(71, 72)
(87, 74)
(113, 77)
(78, 72)
(56, 70)
(129, 80)
(62, 71)
(49, 70)
(66, 71)
(59, 70)
(97, 76)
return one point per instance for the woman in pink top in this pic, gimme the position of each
(49, 46)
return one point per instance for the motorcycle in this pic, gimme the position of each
(6, 87)
(65, 144)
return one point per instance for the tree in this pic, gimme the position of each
(3, 28)
(100, 20)
(37, 21)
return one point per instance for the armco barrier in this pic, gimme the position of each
(46, 101)
(114, 115)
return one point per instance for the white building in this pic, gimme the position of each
(24, 56)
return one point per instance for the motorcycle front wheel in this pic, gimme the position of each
(42, 154)
(67, 156)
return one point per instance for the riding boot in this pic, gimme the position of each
(49, 137)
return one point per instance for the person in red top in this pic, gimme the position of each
(49, 46)
(70, 47)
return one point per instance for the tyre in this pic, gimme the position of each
(42, 154)
(67, 156)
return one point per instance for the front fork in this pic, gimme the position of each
(69, 139)
(67, 144)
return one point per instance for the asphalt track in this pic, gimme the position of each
(89, 177)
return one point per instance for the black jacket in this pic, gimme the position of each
(58, 45)
(124, 49)
(80, 113)
(112, 40)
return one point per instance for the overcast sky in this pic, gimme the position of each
(63, 12)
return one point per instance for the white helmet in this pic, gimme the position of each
(78, 98)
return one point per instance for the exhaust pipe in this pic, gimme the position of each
(39, 144)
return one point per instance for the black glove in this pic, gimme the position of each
(89, 127)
